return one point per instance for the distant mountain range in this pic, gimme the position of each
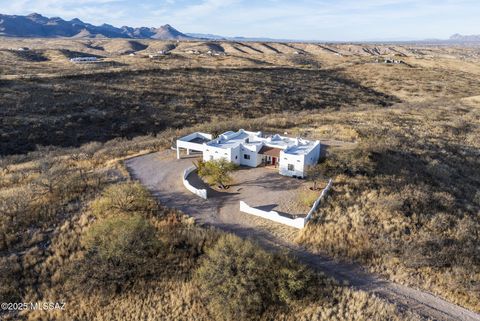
(36, 25)
(208, 36)
(465, 38)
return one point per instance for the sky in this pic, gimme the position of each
(328, 20)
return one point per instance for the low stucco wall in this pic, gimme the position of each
(199, 192)
(272, 215)
(317, 202)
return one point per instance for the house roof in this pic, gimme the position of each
(270, 151)
(199, 140)
(272, 145)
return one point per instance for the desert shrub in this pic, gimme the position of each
(21, 209)
(293, 280)
(240, 280)
(119, 250)
(314, 174)
(234, 278)
(357, 161)
(52, 174)
(128, 197)
(9, 283)
(216, 172)
(15, 205)
(191, 241)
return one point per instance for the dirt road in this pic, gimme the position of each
(161, 174)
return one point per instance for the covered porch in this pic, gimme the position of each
(270, 156)
(192, 142)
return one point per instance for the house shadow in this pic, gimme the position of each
(271, 207)
(266, 208)
(323, 152)
(198, 183)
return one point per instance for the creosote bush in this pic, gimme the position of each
(129, 197)
(118, 250)
(239, 280)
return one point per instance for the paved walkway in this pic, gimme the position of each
(161, 174)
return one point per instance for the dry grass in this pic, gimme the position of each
(409, 207)
(307, 197)
(415, 84)
(135, 103)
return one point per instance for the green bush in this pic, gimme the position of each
(292, 279)
(119, 250)
(240, 280)
(234, 278)
(129, 197)
(216, 172)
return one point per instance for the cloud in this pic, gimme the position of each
(300, 19)
(95, 11)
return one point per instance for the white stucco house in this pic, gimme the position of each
(291, 156)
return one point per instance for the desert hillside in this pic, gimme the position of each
(405, 203)
(139, 87)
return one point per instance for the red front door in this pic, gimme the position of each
(274, 160)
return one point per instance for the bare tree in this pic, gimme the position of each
(315, 174)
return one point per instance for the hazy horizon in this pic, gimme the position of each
(343, 20)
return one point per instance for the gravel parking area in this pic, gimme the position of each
(258, 187)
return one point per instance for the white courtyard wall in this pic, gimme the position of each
(199, 192)
(272, 215)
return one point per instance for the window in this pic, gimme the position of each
(291, 167)
(246, 156)
(211, 157)
(236, 157)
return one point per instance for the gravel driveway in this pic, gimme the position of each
(161, 174)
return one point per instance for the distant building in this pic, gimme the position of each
(391, 61)
(79, 60)
(291, 156)
(160, 54)
(216, 53)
